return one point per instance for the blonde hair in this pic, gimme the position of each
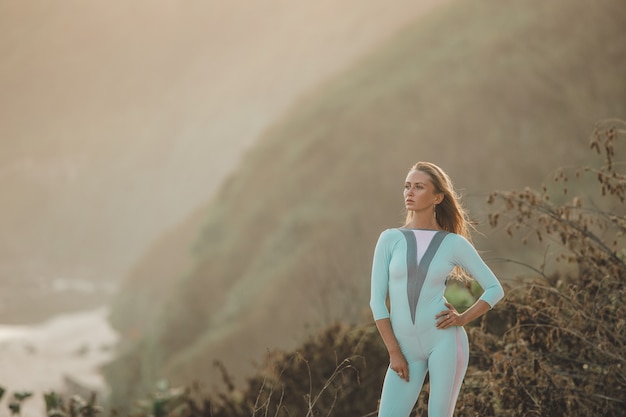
(449, 213)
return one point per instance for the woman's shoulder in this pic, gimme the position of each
(390, 235)
(390, 232)
(458, 242)
(455, 237)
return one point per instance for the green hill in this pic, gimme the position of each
(499, 94)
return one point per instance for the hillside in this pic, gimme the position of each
(497, 94)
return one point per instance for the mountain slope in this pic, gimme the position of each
(498, 94)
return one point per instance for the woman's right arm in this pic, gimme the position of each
(378, 303)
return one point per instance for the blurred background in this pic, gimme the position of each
(185, 181)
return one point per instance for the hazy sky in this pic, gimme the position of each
(119, 118)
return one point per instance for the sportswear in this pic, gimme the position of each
(412, 266)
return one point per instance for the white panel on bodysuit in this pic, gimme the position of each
(423, 239)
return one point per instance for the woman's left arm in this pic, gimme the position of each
(468, 258)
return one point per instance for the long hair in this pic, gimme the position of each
(449, 213)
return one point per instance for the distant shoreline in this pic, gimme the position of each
(62, 354)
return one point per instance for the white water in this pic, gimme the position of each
(39, 358)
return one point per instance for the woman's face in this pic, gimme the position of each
(419, 192)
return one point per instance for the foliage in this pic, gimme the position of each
(55, 405)
(328, 375)
(76, 406)
(15, 404)
(563, 353)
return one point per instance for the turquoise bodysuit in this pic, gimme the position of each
(412, 266)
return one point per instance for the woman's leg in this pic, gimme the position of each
(399, 396)
(447, 365)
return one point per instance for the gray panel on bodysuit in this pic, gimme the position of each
(416, 272)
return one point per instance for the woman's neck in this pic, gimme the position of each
(429, 223)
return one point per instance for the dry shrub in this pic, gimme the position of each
(335, 373)
(563, 352)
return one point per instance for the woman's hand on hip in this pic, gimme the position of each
(448, 318)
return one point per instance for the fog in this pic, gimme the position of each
(120, 118)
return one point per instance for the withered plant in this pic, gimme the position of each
(564, 348)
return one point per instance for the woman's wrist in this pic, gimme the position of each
(394, 351)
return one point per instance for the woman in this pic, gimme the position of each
(411, 264)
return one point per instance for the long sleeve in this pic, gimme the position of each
(380, 277)
(468, 258)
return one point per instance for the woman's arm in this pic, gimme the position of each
(380, 276)
(397, 361)
(468, 258)
(378, 297)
